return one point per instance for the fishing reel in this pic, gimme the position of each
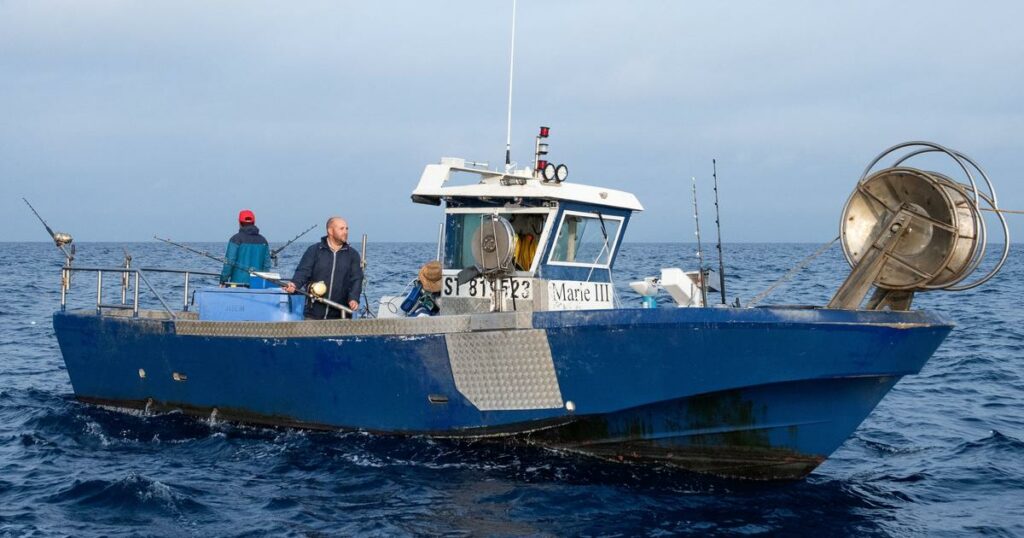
(318, 289)
(61, 239)
(905, 230)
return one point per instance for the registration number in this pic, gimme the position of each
(478, 288)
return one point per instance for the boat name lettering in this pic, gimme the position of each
(575, 295)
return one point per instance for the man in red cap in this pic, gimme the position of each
(247, 251)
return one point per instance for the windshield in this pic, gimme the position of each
(585, 239)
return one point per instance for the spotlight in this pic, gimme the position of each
(561, 172)
(550, 172)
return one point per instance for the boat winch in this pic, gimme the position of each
(905, 230)
(493, 247)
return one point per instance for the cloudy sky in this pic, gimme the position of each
(119, 120)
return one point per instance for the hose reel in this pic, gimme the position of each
(905, 230)
(493, 246)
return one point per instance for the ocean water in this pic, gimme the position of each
(943, 454)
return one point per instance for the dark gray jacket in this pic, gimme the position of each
(339, 270)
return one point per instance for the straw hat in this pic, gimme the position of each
(430, 276)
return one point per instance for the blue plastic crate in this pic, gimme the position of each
(246, 304)
(258, 283)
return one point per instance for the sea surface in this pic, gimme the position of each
(943, 454)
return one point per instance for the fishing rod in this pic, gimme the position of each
(59, 238)
(362, 285)
(700, 250)
(718, 225)
(251, 272)
(276, 251)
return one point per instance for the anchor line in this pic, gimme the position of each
(789, 274)
(251, 272)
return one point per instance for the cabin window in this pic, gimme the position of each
(586, 239)
(461, 227)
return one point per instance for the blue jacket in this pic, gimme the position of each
(249, 251)
(341, 272)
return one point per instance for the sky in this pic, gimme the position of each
(121, 119)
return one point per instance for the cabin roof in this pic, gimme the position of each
(516, 184)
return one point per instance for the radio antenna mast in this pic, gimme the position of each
(718, 225)
(700, 250)
(511, 66)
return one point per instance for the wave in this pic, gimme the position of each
(130, 493)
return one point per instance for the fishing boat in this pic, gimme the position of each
(527, 340)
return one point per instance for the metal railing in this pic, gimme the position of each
(128, 282)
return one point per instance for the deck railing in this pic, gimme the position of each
(128, 282)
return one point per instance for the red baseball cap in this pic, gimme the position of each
(246, 217)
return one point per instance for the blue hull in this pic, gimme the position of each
(753, 393)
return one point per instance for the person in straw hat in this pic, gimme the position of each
(422, 300)
(430, 277)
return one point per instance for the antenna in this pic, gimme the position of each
(718, 225)
(700, 250)
(511, 66)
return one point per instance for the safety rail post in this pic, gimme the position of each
(65, 276)
(124, 280)
(99, 290)
(135, 298)
(185, 308)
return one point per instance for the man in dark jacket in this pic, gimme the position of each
(247, 251)
(334, 262)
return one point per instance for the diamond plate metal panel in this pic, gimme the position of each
(464, 305)
(501, 320)
(504, 370)
(315, 328)
(143, 314)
